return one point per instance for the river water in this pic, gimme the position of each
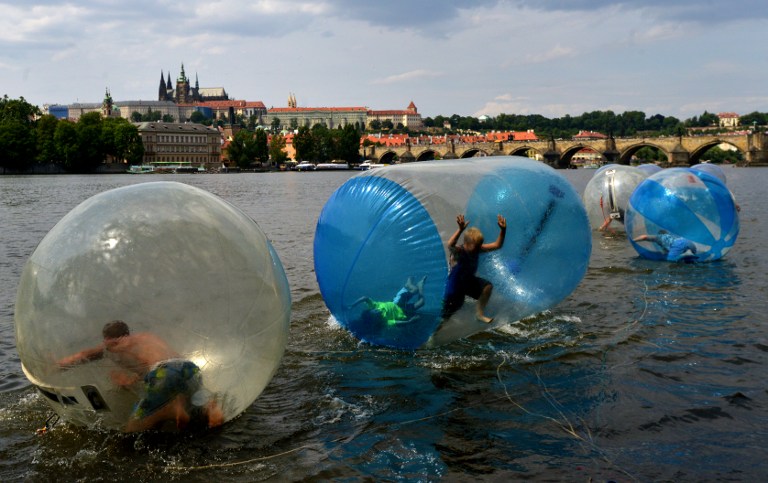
(649, 371)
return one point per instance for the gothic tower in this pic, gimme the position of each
(162, 92)
(182, 88)
(106, 105)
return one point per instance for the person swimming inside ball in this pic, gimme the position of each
(402, 309)
(171, 385)
(675, 248)
(462, 279)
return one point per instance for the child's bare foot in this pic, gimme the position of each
(215, 416)
(483, 318)
(182, 418)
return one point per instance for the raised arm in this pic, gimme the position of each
(500, 240)
(455, 237)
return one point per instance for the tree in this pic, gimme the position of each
(347, 145)
(275, 124)
(322, 144)
(375, 125)
(46, 144)
(127, 143)
(242, 149)
(260, 150)
(197, 117)
(18, 110)
(17, 144)
(90, 152)
(277, 150)
(136, 116)
(66, 143)
(302, 143)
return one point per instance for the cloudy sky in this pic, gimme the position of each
(549, 57)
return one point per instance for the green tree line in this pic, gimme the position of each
(28, 138)
(321, 145)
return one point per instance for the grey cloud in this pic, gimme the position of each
(395, 14)
(700, 11)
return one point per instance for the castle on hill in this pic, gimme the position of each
(184, 93)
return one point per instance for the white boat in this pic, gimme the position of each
(368, 165)
(141, 169)
(326, 166)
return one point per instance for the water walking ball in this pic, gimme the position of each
(649, 168)
(382, 262)
(607, 194)
(691, 215)
(712, 169)
(174, 263)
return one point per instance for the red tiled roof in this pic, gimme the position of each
(307, 109)
(589, 135)
(390, 113)
(230, 103)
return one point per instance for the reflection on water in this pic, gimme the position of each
(648, 371)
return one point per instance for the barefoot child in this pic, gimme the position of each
(462, 280)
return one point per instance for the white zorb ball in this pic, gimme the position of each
(606, 195)
(168, 259)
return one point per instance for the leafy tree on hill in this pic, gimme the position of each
(277, 150)
(242, 149)
(347, 144)
(302, 143)
(322, 144)
(261, 150)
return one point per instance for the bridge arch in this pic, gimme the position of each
(566, 158)
(473, 153)
(699, 152)
(388, 157)
(426, 155)
(625, 157)
(525, 150)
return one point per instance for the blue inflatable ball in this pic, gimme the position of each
(649, 168)
(159, 284)
(607, 194)
(679, 214)
(382, 262)
(711, 169)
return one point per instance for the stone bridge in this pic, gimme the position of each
(680, 150)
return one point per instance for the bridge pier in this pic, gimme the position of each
(757, 154)
(611, 154)
(679, 156)
(552, 158)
